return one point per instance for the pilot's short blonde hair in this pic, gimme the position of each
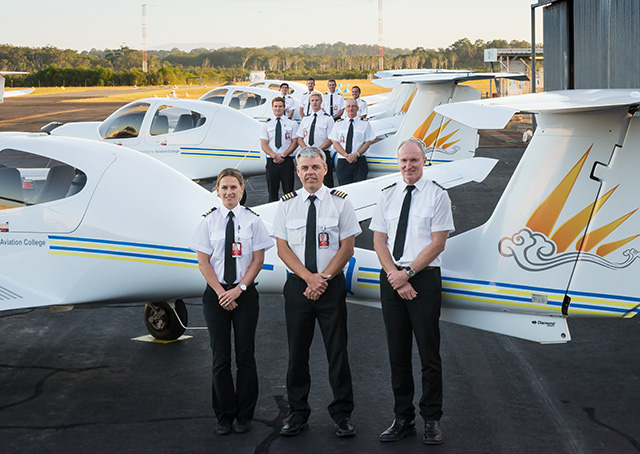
(315, 93)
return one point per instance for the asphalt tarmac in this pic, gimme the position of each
(77, 382)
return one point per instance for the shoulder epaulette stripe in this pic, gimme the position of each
(210, 211)
(340, 194)
(387, 187)
(251, 211)
(289, 196)
(439, 185)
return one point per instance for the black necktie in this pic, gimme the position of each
(331, 105)
(350, 137)
(401, 234)
(310, 240)
(229, 261)
(312, 130)
(308, 106)
(278, 133)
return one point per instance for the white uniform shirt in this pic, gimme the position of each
(335, 216)
(338, 103)
(305, 103)
(290, 104)
(362, 132)
(430, 211)
(324, 123)
(209, 237)
(289, 129)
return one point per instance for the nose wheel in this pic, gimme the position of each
(166, 320)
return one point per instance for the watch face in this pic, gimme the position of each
(243, 287)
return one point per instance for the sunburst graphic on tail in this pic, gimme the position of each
(433, 140)
(540, 246)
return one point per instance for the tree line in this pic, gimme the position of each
(50, 66)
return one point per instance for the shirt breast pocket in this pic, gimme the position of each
(330, 226)
(296, 229)
(217, 243)
(422, 220)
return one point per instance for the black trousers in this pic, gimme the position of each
(404, 319)
(279, 173)
(301, 314)
(231, 401)
(350, 173)
(328, 178)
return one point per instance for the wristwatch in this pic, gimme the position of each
(410, 272)
(242, 287)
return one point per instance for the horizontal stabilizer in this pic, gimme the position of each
(16, 296)
(537, 328)
(457, 77)
(495, 113)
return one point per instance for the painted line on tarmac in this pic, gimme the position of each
(42, 115)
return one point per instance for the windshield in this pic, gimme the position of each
(125, 123)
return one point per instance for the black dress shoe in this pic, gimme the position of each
(293, 425)
(242, 426)
(344, 428)
(223, 427)
(398, 430)
(432, 433)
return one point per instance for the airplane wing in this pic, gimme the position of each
(9, 94)
(495, 113)
(364, 194)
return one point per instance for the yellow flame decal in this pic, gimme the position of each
(428, 141)
(442, 140)
(407, 104)
(610, 247)
(545, 216)
(424, 127)
(569, 231)
(592, 239)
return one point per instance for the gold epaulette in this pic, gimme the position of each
(289, 196)
(339, 119)
(390, 186)
(340, 194)
(251, 211)
(439, 185)
(210, 211)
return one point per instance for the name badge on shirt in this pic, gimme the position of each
(341, 139)
(323, 240)
(287, 136)
(236, 250)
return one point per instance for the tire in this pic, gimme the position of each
(161, 321)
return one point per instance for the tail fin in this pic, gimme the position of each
(564, 238)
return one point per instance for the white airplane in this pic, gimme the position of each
(110, 224)
(7, 94)
(196, 138)
(251, 100)
(563, 240)
(409, 112)
(296, 89)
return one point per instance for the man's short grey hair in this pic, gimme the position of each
(311, 152)
(418, 142)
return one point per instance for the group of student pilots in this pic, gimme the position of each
(328, 122)
(314, 231)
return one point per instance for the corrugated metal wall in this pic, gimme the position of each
(592, 44)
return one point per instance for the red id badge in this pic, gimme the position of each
(323, 240)
(236, 250)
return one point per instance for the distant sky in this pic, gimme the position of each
(83, 25)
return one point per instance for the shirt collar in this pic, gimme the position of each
(225, 211)
(420, 184)
(320, 193)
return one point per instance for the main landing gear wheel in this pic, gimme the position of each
(161, 321)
